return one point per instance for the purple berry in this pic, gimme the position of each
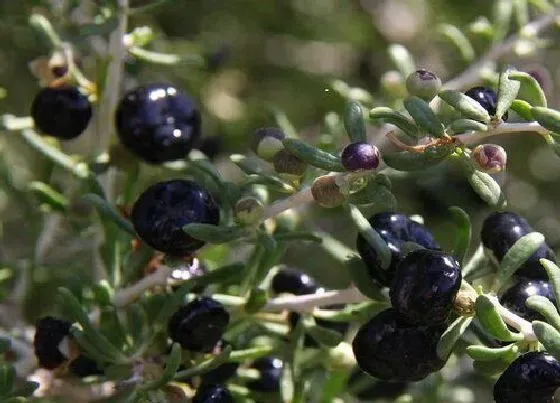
(360, 155)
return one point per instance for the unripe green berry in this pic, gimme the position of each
(267, 142)
(326, 192)
(423, 84)
(248, 210)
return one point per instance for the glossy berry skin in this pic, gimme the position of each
(486, 97)
(49, 333)
(516, 296)
(390, 350)
(425, 286)
(213, 394)
(359, 155)
(531, 378)
(199, 325)
(501, 230)
(292, 281)
(83, 366)
(63, 112)
(158, 122)
(165, 208)
(270, 370)
(395, 229)
(190, 270)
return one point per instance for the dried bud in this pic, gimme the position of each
(341, 357)
(423, 84)
(287, 163)
(326, 192)
(360, 155)
(490, 158)
(267, 142)
(248, 210)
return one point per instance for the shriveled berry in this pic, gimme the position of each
(360, 155)
(49, 334)
(487, 98)
(490, 158)
(531, 378)
(83, 366)
(501, 230)
(63, 112)
(423, 84)
(326, 192)
(395, 229)
(158, 122)
(199, 325)
(270, 370)
(161, 212)
(516, 296)
(267, 142)
(390, 350)
(425, 286)
(212, 394)
(292, 281)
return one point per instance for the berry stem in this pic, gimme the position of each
(306, 303)
(127, 295)
(290, 202)
(503, 128)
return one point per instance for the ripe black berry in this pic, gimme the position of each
(374, 389)
(360, 155)
(270, 370)
(395, 229)
(158, 122)
(49, 333)
(292, 281)
(531, 378)
(501, 230)
(83, 366)
(199, 325)
(63, 113)
(425, 286)
(487, 98)
(389, 350)
(161, 212)
(212, 394)
(515, 297)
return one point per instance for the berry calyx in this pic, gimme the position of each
(425, 285)
(424, 84)
(267, 142)
(531, 378)
(490, 158)
(360, 155)
(270, 370)
(199, 325)
(62, 112)
(390, 350)
(50, 332)
(395, 229)
(515, 297)
(161, 212)
(487, 98)
(212, 394)
(158, 122)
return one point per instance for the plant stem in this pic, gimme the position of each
(306, 303)
(127, 295)
(290, 202)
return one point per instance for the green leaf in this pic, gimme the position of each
(409, 161)
(109, 212)
(362, 279)
(313, 156)
(483, 353)
(546, 308)
(523, 109)
(424, 116)
(389, 115)
(165, 58)
(462, 234)
(47, 195)
(354, 122)
(466, 105)
(507, 92)
(103, 293)
(487, 188)
(89, 347)
(521, 250)
(547, 118)
(490, 369)
(451, 336)
(377, 192)
(205, 366)
(216, 234)
(548, 336)
(358, 313)
(530, 89)
(553, 272)
(466, 125)
(297, 236)
(256, 300)
(459, 39)
(172, 364)
(323, 336)
(251, 353)
(488, 315)
(7, 378)
(402, 59)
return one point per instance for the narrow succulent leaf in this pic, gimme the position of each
(507, 93)
(424, 116)
(251, 353)
(89, 347)
(109, 212)
(283, 122)
(169, 59)
(547, 118)
(484, 353)
(402, 59)
(375, 193)
(468, 107)
(546, 308)
(477, 262)
(313, 156)
(7, 378)
(172, 363)
(451, 336)
(490, 369)
(409, 161)
(297, 236)
(521, 250)
(459, 39)
(256, 300)
(501, 16)
(530, 89)
(356, 313)
(521, 11)
(466, 125)
(488, 315)
(323, 336)
(216, 234)
(548, 336)
(487, 188)
(391, 116)
(49, 196)
(462, 234)
(291, 369)
(362, 279)
(205, 366)
(354, 122)
(523, 109)
(553, 272)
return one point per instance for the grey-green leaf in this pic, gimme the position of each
(408, 161)
(523, 109)
(172, 364)
(466, 125)
(459, 39)
(507, 92)
(424, 116)
(546, 308)
(215, 234)
(548, 336)
(468, 107)
(396, 118)
(487, 188)
(530, 90)
(553, 272)
(354, 122)
(547, 118)
(313, 156)
(402, 59)
(483, 353)
(451, 336)
(321, 335)
(462, 233)
(488, 315)
(362, 279)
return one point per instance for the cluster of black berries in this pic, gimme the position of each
(399, 344)
(533, 376)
